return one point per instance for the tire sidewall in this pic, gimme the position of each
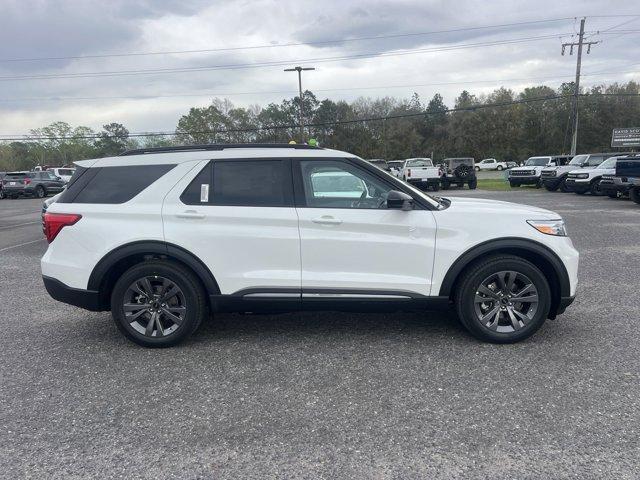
(465, 304)
(190, 287)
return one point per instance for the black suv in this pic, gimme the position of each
(628, 174)
(38, 184)
(458, 171)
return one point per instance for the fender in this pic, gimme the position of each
(506, 245)
(150, 248)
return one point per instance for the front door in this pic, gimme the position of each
(351, 243)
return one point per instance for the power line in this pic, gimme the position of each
(240, 66)
(280, 45)
(27, 138)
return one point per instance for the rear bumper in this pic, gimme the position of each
(87, 299)
(424, 181)
(13, 191)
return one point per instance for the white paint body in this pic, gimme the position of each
(254, 247)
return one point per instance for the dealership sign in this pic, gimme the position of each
(625, 137)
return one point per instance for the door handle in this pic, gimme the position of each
(327, 220)
(191, 214)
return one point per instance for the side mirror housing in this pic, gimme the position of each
(399, 200)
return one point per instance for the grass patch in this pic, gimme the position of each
(493, 184)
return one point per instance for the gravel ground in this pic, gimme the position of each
(327, 395)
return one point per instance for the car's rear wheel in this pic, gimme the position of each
(473, 183)
(499, 168)
(503, 299)
(158, 303)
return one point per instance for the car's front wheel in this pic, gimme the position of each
(40, 193)
(503, 299)
(158, 303)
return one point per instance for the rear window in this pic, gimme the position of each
(65, 171)
(20, 175)
(111, 185)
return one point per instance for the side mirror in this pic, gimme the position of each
(399, 200)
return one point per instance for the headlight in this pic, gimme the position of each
(549, 227)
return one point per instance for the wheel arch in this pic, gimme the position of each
(115, 263)
(538, 254)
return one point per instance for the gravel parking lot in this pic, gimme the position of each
(327, 395)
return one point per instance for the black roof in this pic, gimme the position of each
(218, 146)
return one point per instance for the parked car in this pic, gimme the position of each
(421, 173)
(628, 171)
(38, 184)
(458, 171)
(65, 173)
(395, 167)
(381, 164)
(492, 164)
(554, 177)
(245, 228)
(613, 189)
(586, 180)
(530, 173)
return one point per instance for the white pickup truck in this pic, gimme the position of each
(421, 173)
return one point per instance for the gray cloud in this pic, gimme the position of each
(69, 28)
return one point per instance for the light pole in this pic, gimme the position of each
(299, 70)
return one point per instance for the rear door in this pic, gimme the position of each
(237, 216)
(351, 243)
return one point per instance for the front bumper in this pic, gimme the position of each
(524, 179)
(577, 186)
(87, 299)
(551, 182)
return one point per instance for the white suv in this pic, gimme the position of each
(162, 237)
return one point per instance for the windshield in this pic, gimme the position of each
(609, 163)
(537, 162)
(578, 160)
(420, 162)
(65, 171)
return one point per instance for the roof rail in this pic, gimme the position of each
(217, 146)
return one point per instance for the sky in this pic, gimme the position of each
(51, 51)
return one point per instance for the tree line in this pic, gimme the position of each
(502, 124)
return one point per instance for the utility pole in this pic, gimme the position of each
(576, 93)
(299, 70)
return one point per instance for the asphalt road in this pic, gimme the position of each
(327, 395)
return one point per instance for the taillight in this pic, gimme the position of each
(408, 172)
(52, 223)
(27, 181)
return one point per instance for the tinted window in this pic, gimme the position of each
(114, 184)
(595, 160)
(199, 190)
(335, 184)
(260, 183)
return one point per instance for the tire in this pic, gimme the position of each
(580, 192)
(539, 184)
(435, 187)
(191, 299)
(40, 192)
(514, 185)
(499, 168)
(634, 194)
(473, 184)
(500, 328)
(563, 186)
(1, 194)
(551, 188)
(612, 195)
(594, 188)
(477, 169)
